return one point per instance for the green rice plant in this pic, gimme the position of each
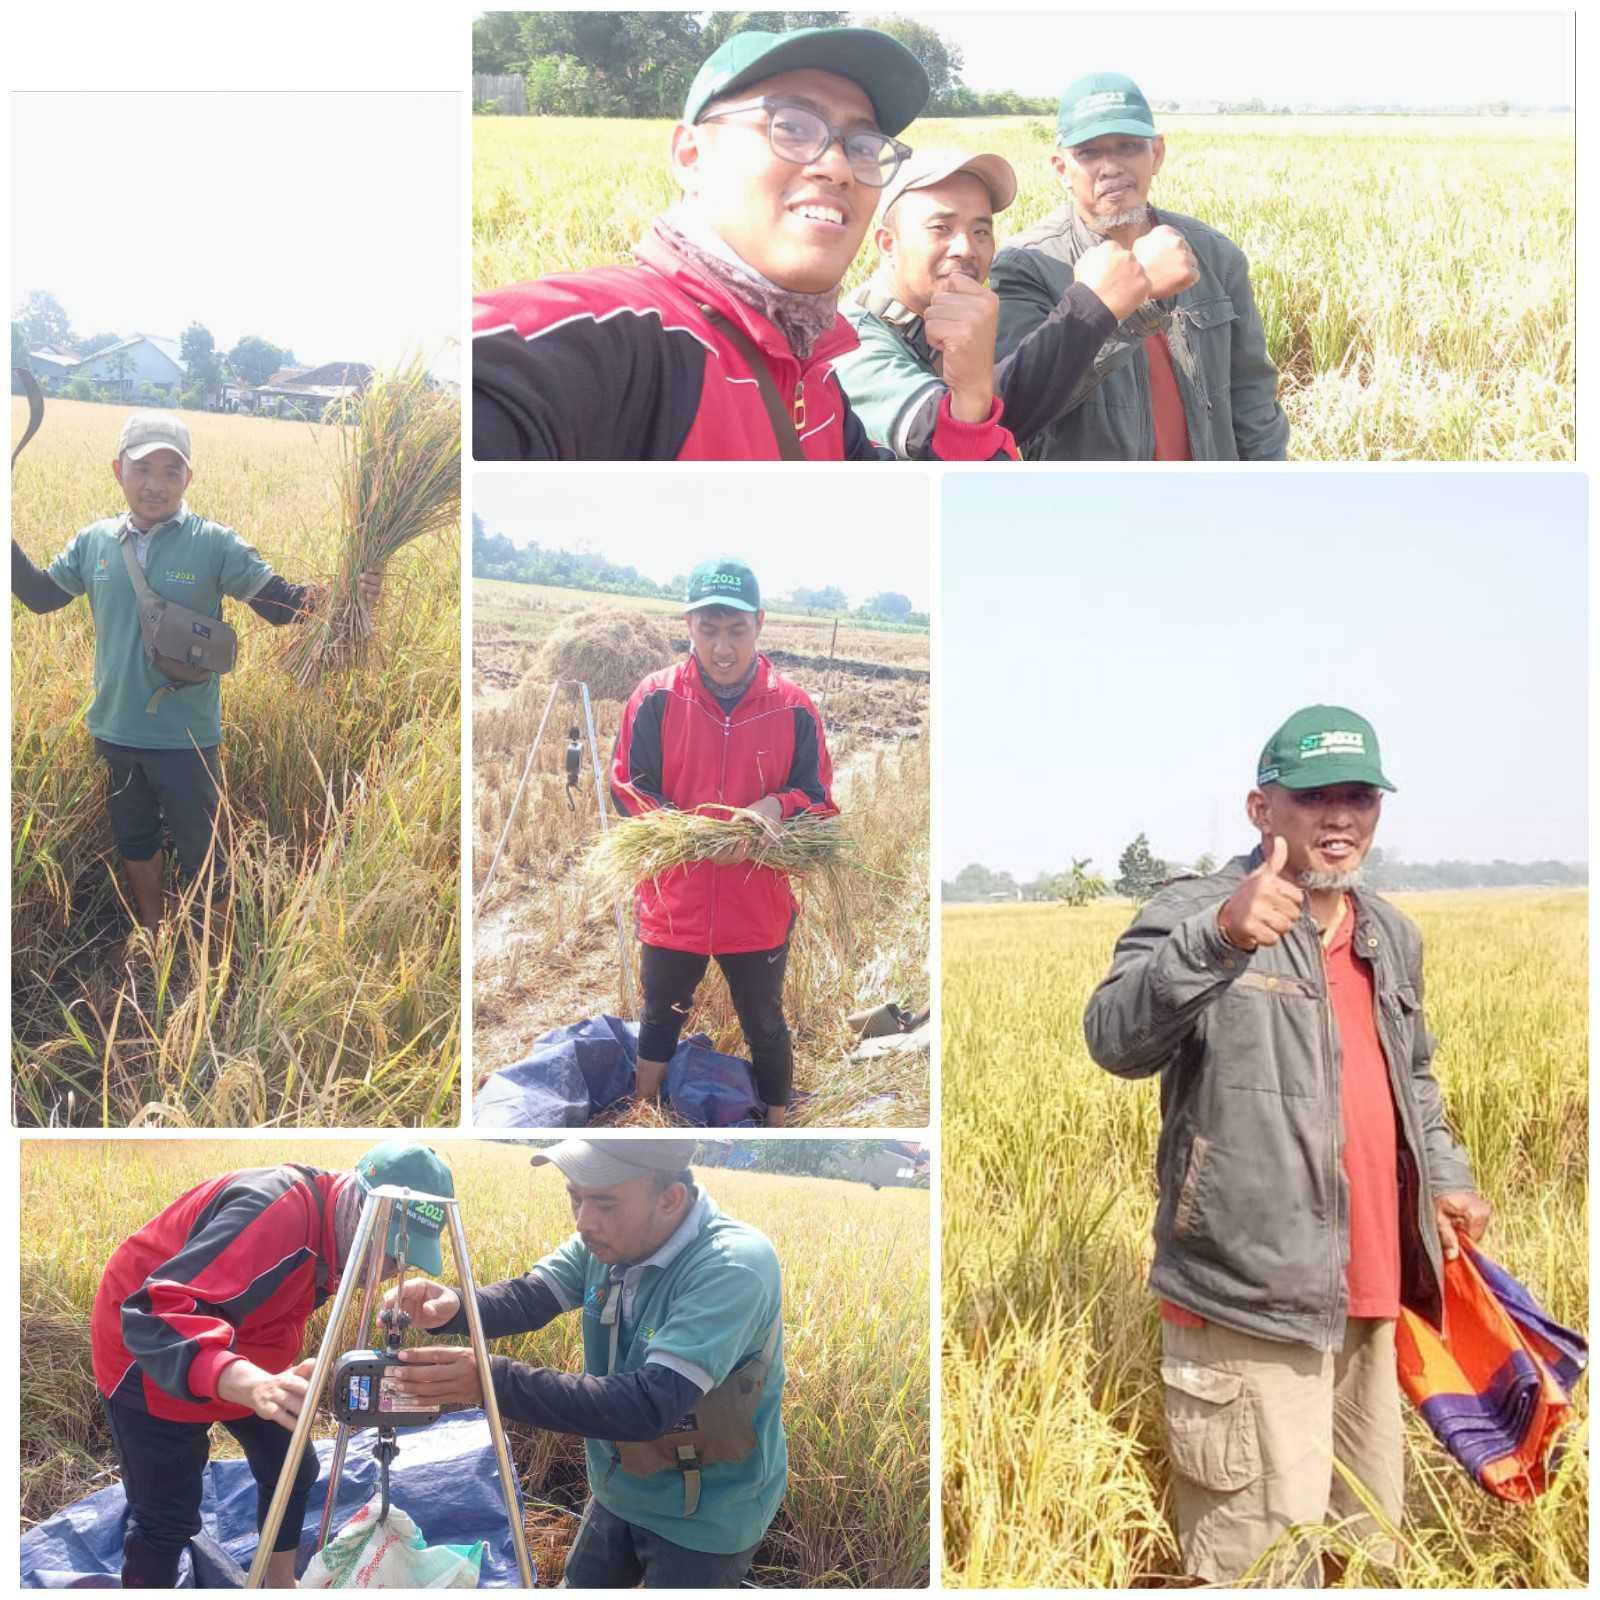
(1055, 1471)
(855, 1328)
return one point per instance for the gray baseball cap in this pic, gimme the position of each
(925, 169)
(148, 431)
(604, 1163)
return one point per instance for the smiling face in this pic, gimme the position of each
(153, 486)
(724, 640)
(1110, 177)
(799, 225)
(1328, 831)
(937, 232)
(627, 1222)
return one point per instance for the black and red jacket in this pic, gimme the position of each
(623, 364)
(678, 748)
(234, 1268)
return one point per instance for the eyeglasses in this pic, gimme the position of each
(799, 134)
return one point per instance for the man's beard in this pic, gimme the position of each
(1122, 219)
(1330, 880)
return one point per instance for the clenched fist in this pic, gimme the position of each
(1167, 260)
(1265, 906)
(1114, 273)
(960, 323)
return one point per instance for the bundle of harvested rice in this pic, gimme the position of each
(399, 477)
(640, 848)
(608, 650)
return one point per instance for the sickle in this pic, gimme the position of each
(30, 387)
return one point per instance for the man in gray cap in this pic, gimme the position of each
(719, 343)
(680, 1396)
(1309, 1182)
(1186, 376)
(927, 324)
(160, 738)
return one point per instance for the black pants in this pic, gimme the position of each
(755, 983)
(148, 790)
(163, 1473)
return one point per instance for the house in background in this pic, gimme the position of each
(123, 369)
(52, 364)
(304, 391)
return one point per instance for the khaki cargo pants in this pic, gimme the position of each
(1253, 1426)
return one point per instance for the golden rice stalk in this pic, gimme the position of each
(639, 848)
(399, 477)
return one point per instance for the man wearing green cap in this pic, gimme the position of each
(1187, 375)
(719, 343)
(680, 1399)
(200, 1318)
(1309, 1182)
(927, 324)
(720, 730)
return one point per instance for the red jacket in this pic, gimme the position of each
(234, 1268)
(623, 364)
(677, 748)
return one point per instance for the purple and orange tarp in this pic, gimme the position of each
(1496, 1387)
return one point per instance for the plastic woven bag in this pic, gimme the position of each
(368, 1554)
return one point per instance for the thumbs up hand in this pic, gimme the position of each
(960, 323)
(1265, 906)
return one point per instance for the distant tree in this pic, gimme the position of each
(1139, 873)
(497, 43)
(888, 604)
(95, 343)
(44, 320)
(1205, 866)
(609, 63)
(977, 882)
(19, 346)
(832, 598)
(80, 389)
(255, 359)
(1077, 886)
(940, 57)
(202, 364)
(120, 365)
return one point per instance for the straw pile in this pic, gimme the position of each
(399, 477)
(608, 650)
(640, 848)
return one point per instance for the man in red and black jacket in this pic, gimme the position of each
(199, 1319)
(720, 729)
(719, 343)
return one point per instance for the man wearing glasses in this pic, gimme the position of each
(719, 343)
(1187, 376)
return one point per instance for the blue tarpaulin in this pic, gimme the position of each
(444, 1476)
(578, 1071)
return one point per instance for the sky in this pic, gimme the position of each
(326, 223)
(866, 531)
(1284, 56)
(1115, 649)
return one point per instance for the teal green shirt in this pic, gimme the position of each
(702, 1303)
(191, 561)
(888, 378)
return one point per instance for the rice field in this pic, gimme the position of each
(1054, 1458)
(1415, 275)
(327, 988)
(547, 944)
(856, 1400)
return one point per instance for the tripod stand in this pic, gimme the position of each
(366, 1265)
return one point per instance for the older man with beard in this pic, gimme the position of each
(1186, 376)
(927, 324)
(719, 342)
(1309, 1182)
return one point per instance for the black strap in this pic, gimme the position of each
(787, 440)
(30, 387)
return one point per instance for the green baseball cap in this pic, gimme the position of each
(1322, 745)
(411, 1166)
(891, 76)
(1103, 102)
(722, 581)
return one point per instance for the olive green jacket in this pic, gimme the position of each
(1227, 380)
(1252, 1227)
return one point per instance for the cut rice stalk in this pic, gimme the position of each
(399, 477)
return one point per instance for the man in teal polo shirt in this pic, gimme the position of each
(160, 739)
(680, 1395)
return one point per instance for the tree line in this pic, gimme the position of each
(41, 320)
(1140, 872)
(641, 63)
(495, 556)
